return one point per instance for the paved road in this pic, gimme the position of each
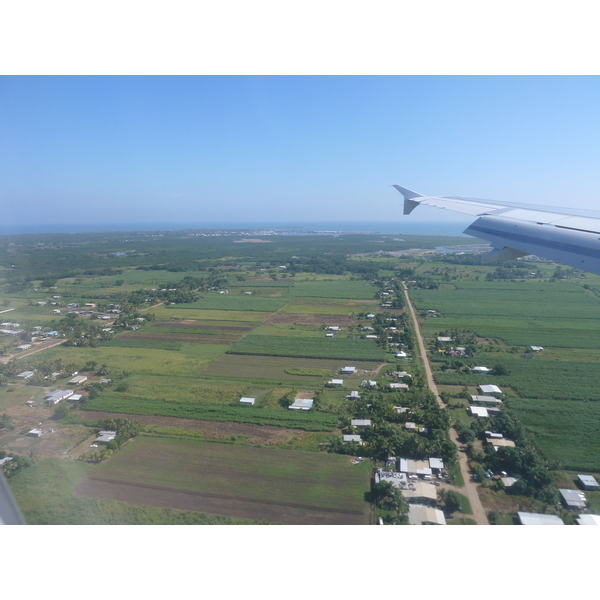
(470, 488)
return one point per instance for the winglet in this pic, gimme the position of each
(409, 204)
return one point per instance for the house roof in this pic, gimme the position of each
(479, 411)
(588, 520)
(436, 463)
(351, 438)
(422, 489)
(360, 422)
(588, 480)
(475, 398)
(490, 389)
(539, 519)
(425, 515)
(573, 498)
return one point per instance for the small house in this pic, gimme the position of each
(337, 382)
(78, 379)
(479, 411)
(352, 438)
(248, 401)
(573, 499)
(588, 482)
(360, 422)
(539, 519)
(490, 389)
(35, 433)
(348, 371)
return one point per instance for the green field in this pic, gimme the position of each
(309, 347)
(359, 290)
(237, 303)
(276, 368)
(309, 421)
(565, 431)
(306, 486)
(44, 493)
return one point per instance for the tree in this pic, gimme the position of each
(62, 412)
(451, 501)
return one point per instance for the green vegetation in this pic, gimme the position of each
(342, 348)
(45, 495)
(310, 421)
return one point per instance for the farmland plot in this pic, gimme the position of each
(273, 367)
(259, 483)
(308, 347)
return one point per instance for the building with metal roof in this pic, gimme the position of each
(348, 370)
(354, 395)
(479, 411)
(339, 382)
(419, 514)
(573, 499)
(538, 519)
(398, 386)
(58, 395)
(480, 369)
(360, 422)
(352, 438)
(105, 436)
(420, 492)
(414, 467)
(249, 401)
(302, 404)
(436, 463)
(475, 398)
(498, 443)
(490, 389)
(588, 482)
(588, 520)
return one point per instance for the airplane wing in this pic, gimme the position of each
(567, 236)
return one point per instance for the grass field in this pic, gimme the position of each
(328, 307)
(359, 290)
(237, 303)
(44, 493)
(309, 347)
(294, 419)
(143, 360)
(271, 367)
(565, 431)
(237, 481)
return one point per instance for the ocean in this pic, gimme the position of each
(396, 227)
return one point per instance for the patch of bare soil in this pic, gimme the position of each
(52, 444)
(300, 319)
(235, 506)
(482, 341)
(215, 430)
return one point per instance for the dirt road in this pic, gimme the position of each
(470, 488)
(5, 359)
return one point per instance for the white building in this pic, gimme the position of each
(539, 519)
(490, 389)
(249, 401)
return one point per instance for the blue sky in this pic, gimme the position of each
(89, 149)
